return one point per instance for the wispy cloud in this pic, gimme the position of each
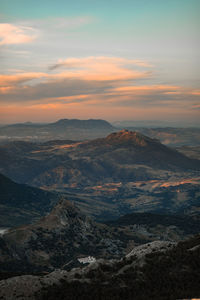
(16, 34)
(13, 80)
(91, 75)
(101, 83)
(103, 68)
(88, 62)
(147, 89)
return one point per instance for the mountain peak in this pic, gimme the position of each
(131, 137)
(63, 214)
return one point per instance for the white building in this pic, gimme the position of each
(87, 260)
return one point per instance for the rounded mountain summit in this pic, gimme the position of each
(133, 148)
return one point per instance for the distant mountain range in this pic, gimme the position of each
(75, 129)
(63, 129)
(156, 124)
(172, 136)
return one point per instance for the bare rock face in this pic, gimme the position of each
(24, 287)
(145, 249)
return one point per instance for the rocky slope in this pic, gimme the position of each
(55, 240)
(130, 147)
(158, 270)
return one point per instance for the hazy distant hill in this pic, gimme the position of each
(63, 129)
(86, 124)
(172, 136)
(75, 129)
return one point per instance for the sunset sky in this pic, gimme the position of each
(108, 59)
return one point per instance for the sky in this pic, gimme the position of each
(114, 60)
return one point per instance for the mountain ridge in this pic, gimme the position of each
(23, 204)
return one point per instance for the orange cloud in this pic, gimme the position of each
(61, 100)
(146, 89)
(12, 34)
(91, 60)
(6, 90)
(12, 80)
(50, 112)
(196, 106)
(102, 68)
(195, 92)
(91, 75)
(92, 87)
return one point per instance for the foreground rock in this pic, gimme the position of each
(166, 272)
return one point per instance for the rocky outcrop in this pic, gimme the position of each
(56, 239)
